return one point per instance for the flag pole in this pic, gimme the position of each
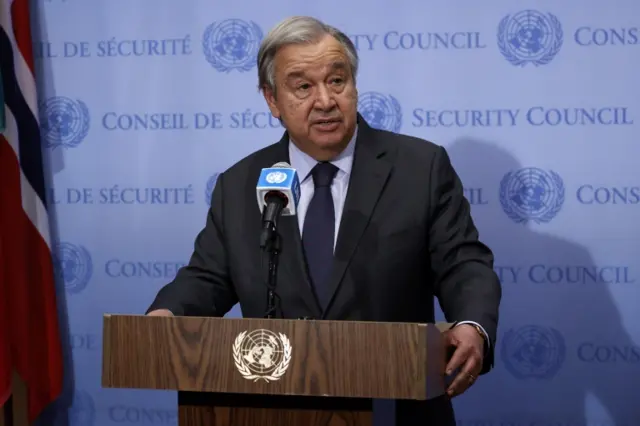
(15, 411)
(6, 414)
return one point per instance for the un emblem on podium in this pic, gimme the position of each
(262, 355)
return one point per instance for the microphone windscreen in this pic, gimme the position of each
(282, 178)
(282, 164)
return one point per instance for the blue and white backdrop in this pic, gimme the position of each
(538, 103)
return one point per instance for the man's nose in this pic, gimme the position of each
(324, 99)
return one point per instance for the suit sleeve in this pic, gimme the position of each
(466, 285)
(203, 287)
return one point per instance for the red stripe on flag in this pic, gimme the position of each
(6, 368)
(30, 289)
(22, 30)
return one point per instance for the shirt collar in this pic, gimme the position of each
(303, 162)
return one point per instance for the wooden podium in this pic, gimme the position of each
(263, 372)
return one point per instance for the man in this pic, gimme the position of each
(382, 226)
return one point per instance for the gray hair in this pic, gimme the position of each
(298, 30)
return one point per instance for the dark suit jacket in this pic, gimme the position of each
(406, 236)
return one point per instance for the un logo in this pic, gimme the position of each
(529, 37)
(262, 355)
(211, 184)
(73, 266)
(381, 111)
(232, 44)
(531, 194)
(82, 411)
(63, 122)
(533, 352)
(276, 178)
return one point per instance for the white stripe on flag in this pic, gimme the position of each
(31, 203)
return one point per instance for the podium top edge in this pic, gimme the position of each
(439, 324)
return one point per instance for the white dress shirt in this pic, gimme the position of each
(303, 163)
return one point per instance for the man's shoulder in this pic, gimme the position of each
(409, 147)
(264, 157)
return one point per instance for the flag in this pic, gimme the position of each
(5, 349)
(25, 246)
(6, 367)
(2, 119)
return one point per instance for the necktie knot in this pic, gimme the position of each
(323, 174)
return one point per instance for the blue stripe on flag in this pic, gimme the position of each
(3, 119)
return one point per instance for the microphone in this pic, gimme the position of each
(278, 194)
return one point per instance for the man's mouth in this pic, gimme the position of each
(328, 125)
(327, 121)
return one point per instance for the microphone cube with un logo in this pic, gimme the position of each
(283, 180)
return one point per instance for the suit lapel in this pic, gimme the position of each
(369, 174)
(292, 277)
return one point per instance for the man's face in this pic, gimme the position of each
(315, 97)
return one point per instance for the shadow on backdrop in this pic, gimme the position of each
(556, 341)
(58, 412)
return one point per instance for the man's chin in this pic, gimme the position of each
(330, 142)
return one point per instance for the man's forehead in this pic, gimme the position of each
(299, 69)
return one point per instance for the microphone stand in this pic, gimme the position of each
(273, 250)
(270, 243)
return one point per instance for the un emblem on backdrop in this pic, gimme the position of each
(73, 266)
(211, 184)
(529, 37)
(262, 355)
(381, 111)
(531, 194)
(533, 352)
(64, 122)
(232, 44)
